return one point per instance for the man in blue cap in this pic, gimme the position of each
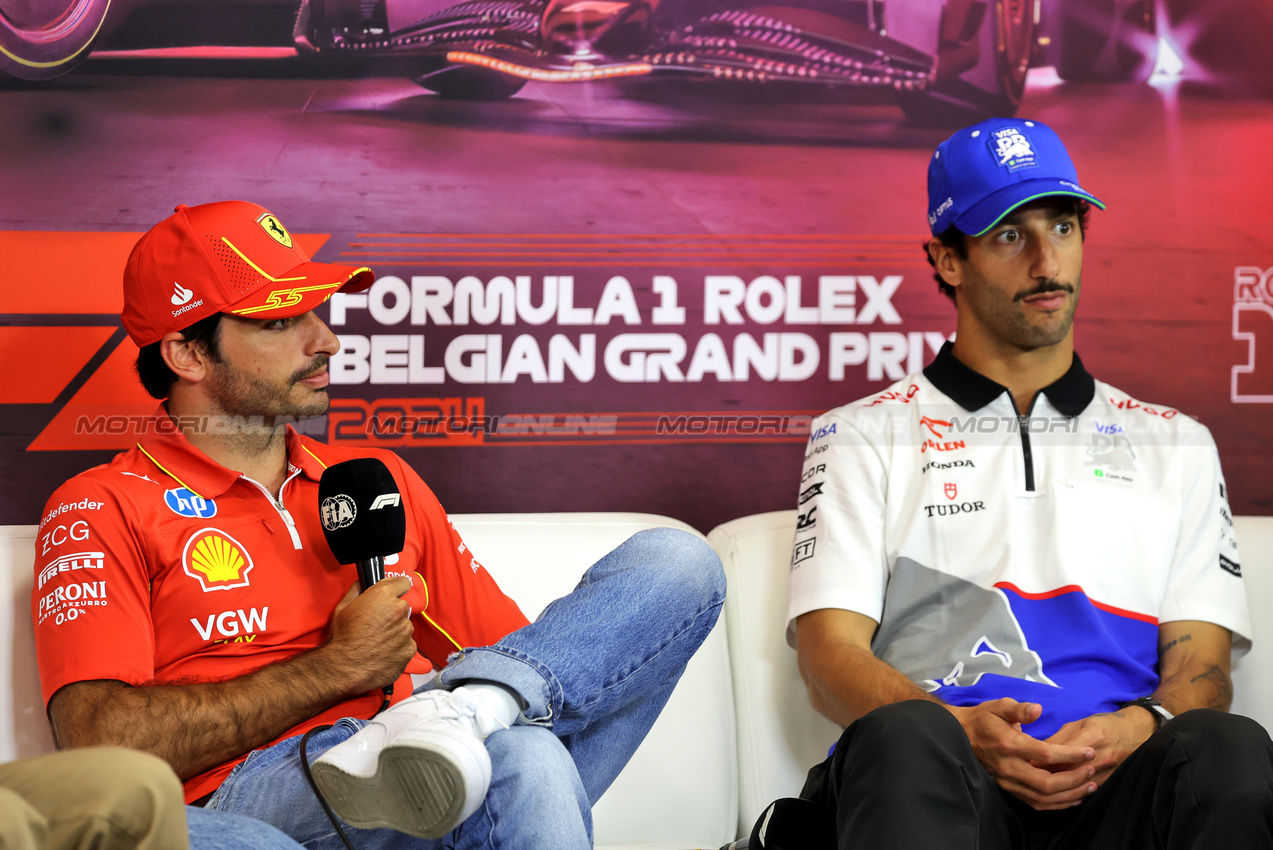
(1018, 587)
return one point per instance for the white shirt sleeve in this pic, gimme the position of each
(1205, 582)
(838, 558)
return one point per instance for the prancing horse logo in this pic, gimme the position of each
(275, 228)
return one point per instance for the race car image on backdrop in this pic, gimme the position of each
(949, 62)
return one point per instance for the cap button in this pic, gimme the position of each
(180, 207)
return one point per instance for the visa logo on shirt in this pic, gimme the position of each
(183, 502)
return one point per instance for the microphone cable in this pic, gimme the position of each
(309, 775)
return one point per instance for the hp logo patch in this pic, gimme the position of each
(182, 502)
(337, 511)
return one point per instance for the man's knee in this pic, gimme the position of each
(533, 759)
(1227, 751)
(902, 724)
(120, 773)
(903, 736)
(119, 795)
(678, 562)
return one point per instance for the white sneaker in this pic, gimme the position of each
(420, 767)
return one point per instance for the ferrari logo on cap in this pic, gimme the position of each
(275, 228)
(217, 560)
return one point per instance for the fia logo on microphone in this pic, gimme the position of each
(337, 511)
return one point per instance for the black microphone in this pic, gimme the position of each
(363, 518)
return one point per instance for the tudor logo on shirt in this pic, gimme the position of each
(955, 509)
(951, 489)
(217, 560)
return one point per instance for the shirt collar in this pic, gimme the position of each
(167, 447)
(305, 454)
(1070, 394)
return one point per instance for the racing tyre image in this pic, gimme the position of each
(982, 60)
(42, 39)
(467, 82)
(1106, 41)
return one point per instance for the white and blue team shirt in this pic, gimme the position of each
(1030, 557)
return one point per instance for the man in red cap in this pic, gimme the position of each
(208, 622)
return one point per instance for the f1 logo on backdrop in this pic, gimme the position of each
(1252, 381)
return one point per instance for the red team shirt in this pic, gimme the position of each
(163, 567)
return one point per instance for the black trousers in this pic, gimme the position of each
(904, 777)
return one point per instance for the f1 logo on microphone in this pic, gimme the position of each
(386, 500)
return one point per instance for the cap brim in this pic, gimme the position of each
(990, 211)
(302, 289)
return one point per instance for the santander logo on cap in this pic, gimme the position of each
(180, 294)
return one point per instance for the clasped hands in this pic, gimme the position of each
(1060, 771)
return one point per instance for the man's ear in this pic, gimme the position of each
(187, 359)
(946, 262)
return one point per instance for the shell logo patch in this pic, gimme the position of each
(216, 560)
(275, 228)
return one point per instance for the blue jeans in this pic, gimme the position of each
(594, 671)
(211, 830)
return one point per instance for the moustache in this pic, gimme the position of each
(1044, 288)
(319, 364)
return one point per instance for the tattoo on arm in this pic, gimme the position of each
(1163, 650)
(1223, 695)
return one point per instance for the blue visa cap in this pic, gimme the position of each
(986, 171)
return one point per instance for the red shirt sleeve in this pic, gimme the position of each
(459, 605)
(91, 600)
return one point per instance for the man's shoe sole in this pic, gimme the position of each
(414, 790)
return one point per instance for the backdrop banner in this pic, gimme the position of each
(621, 294)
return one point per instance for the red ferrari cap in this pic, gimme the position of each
(227, 257)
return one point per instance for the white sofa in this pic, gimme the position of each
(737, 733)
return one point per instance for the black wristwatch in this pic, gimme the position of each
(1154, 707)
